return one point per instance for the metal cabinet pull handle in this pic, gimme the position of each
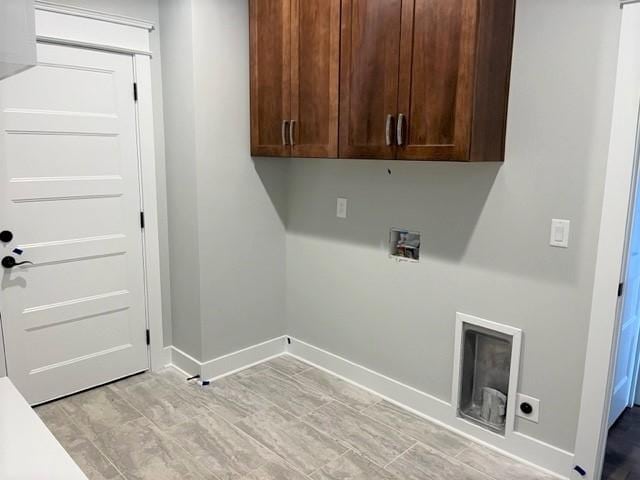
(285, 126)
(388, 139)
(292, 126)
(400, 129)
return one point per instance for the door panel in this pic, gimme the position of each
(70, 195)
(315, 50)
(83, 155)
(369, 76)
(270, 25)
(436, 78)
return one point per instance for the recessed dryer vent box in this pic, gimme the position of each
(404, 245)
(487, 364)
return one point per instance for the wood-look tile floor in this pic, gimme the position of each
(622, 460)
(280, 420)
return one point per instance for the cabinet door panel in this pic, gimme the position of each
(369, 76)
(270, 25)
(315, 51)
(436, 78)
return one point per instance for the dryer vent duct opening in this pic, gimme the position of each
(485, 377)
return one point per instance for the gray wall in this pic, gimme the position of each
(182, 188)
(227, 235)
(242, 235)
(485, 229)
(148, 10)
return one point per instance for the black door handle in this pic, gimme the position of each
(10, 262)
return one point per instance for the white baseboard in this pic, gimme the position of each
(166, 356)
(230, 363)
(517, 445)
(185, 362)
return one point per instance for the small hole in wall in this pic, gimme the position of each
(404, 245)
(389, 171)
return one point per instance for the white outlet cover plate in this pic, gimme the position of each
(534, 416)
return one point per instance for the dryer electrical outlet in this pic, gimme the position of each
(528, 407)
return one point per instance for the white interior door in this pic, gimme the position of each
(626, 356)
(70, 194)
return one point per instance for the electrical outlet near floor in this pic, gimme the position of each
(528, 407)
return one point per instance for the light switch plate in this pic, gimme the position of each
(559, 233)
(341, 208)
(534, 416)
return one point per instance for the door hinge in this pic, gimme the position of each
(148, 337)
(135, 92)
(620, 289)
(141, 219)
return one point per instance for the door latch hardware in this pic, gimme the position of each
(10, 262)
(6, 236)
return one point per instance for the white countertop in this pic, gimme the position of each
(28, 450)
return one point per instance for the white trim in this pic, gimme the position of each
(72, 26)
(93, 14)
(603, 326)
(229, 363)
(149, 205)
(166, 356)
(92, 46)
(185, 362)
(516, 335)
(518, 446)
(83, 28)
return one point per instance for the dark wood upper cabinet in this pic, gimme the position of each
(369, 58)
(455, 59)
(388, 79)
(436, 79)
(315, 53)
(295, 47)
(270, 45)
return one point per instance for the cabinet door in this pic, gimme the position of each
(315, 53)
(270, 26)
(436, 78)
(369, 77)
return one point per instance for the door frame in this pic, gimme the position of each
(610, 265)
(634, 197)
(79, 27)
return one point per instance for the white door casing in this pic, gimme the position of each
(597, 384)
(624, 378)
(71, 197)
